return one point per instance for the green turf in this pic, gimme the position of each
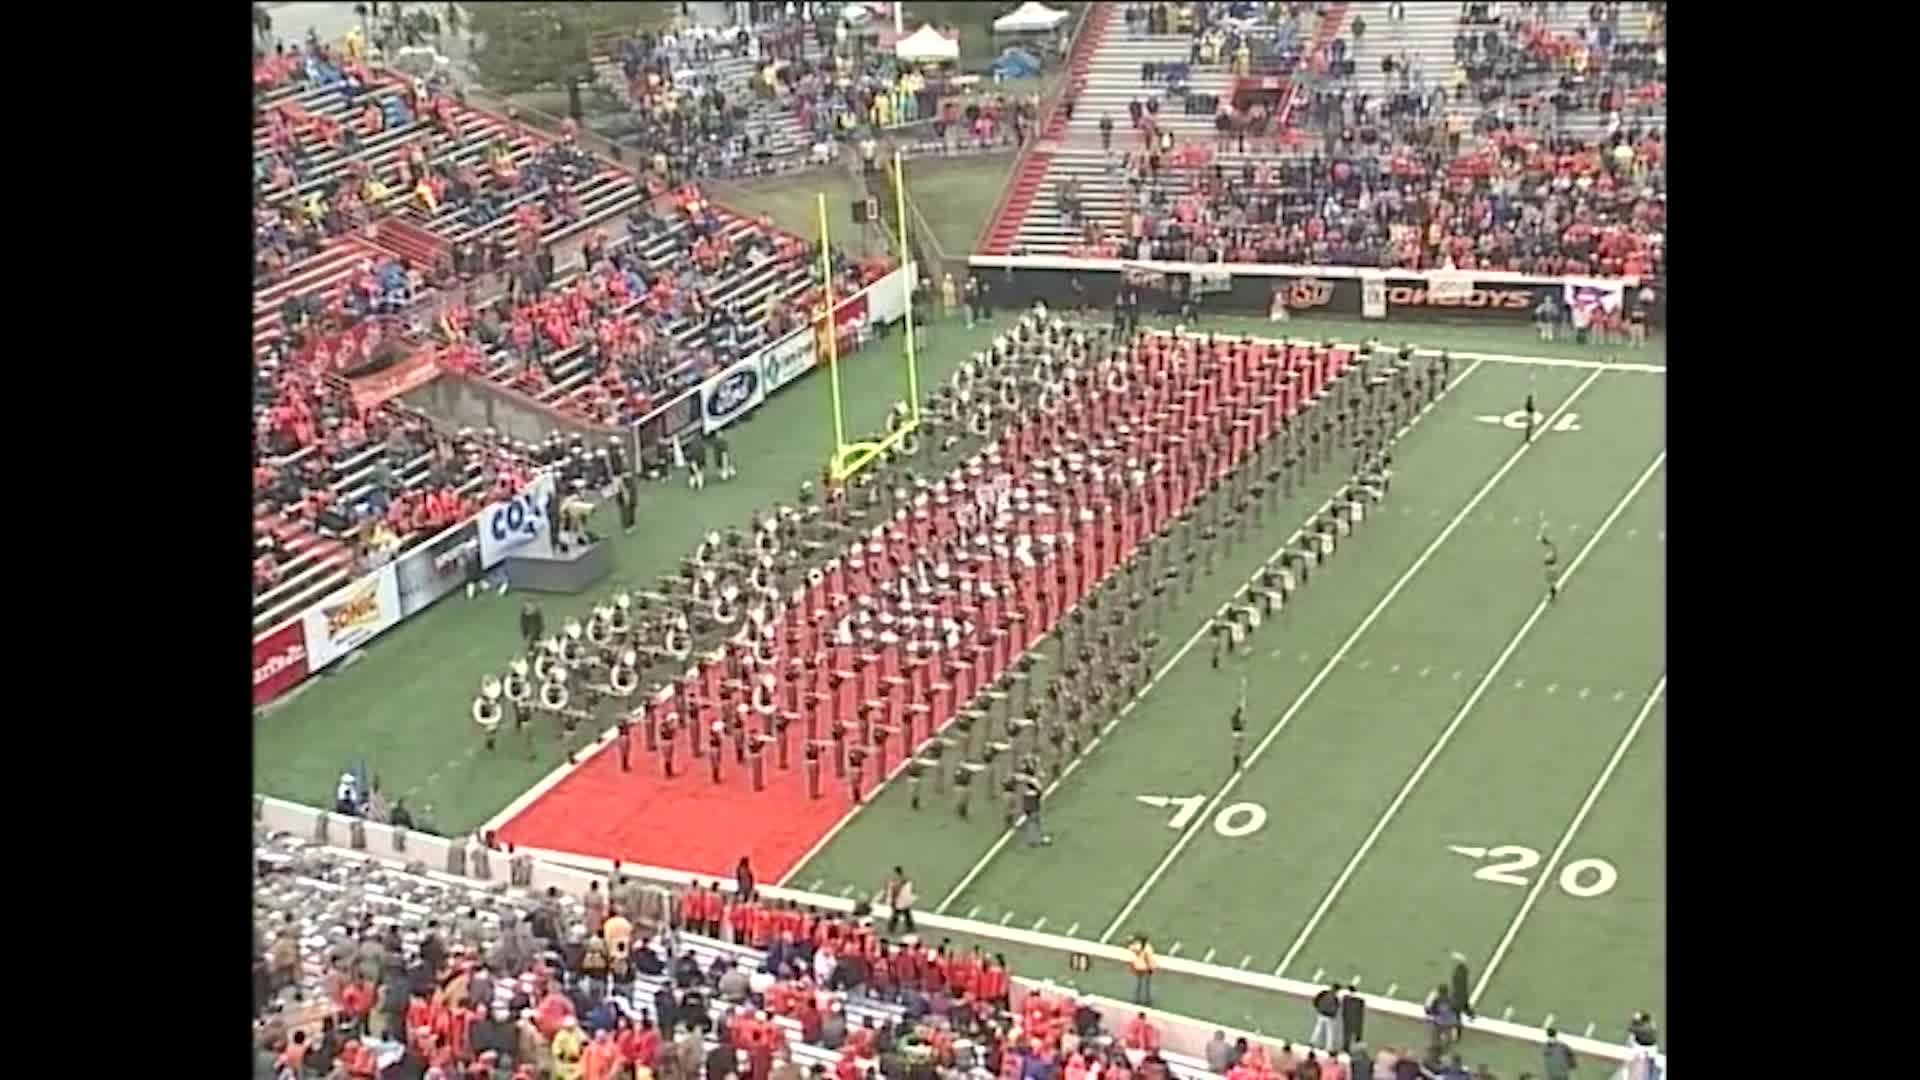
(1515, 772)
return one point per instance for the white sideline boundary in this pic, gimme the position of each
(1199, 634)
(1566, 839)
(1312, 687)
(1460, 716)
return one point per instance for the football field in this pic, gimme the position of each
(1438, 760)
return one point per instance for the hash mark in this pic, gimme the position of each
(1007, 918)
(1519, 684)
(972, 911)
(1391, 987)
(1456, 676)
(1304, 658)
(1207, 959)
(1631, 533)
(1553, 687)
(1424, 670)
(1175, 951)
(1548, 1022)
(1618, 694)
(1245, 960)
(1590, 1026)
(1663, 536)
(1040, 922)
(1317, 972)
(1365, 664)
(817, 882)
(1507, 1014)
(1516, 521)
(1072, 930)
(1584, 691)
(846, 890)
(1394, 670)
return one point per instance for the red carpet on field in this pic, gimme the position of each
(687, 823)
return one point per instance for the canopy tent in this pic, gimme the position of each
(927, 45)
(1028, 17)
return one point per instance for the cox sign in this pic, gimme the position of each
(505, 527)
(731, 394)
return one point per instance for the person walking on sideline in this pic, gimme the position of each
(1143, 964)
(1556, 1059)
(1031, 826)
(1461, 980)
(1326, 1018)
(899, 896)
(533, 626)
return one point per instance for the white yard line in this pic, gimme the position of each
(1186, 647)
(1446, 735)
(1306, 695)
(1566, 839)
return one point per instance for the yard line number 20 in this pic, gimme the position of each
(1508, 864)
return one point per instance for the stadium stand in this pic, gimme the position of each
(361, 965)
(742, 118)
(385, 213)
(1539, 151)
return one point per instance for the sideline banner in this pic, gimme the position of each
(1373, 295)
(279, 661)
(506, 527)
(409, 374)
(731, 394)
(786, 360)
(847, 320)
(350, 617)
(435, 568)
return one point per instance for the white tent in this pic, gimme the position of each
(1028, 17)
(927, 45)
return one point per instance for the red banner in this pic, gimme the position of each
(279, 662)
(845, 318)
(410, 374)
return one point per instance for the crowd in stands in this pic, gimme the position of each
(686, 124)
(374, 479)
(1401, 180)
(1522, 63)
(647, 314)
(363, 969)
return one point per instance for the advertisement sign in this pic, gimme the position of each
(1308, 293)
(1456, 298)
(279, 661)
(350, 617)
(436, 568)
(1373, 295)
(409, 374)
(887, 298)
(1586, 297)
(847, 320)
(786, 360)
(507, 527)
(731, 394)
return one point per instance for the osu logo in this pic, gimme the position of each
(731, 393)
(1309, 292)
(1502, 299)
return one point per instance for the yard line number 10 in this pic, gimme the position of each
(1232, 821)
(1508, 864)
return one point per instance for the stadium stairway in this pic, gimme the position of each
(1013, 206)
(1080, 56)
